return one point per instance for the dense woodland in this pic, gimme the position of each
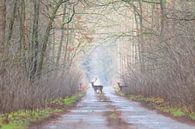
(42, 41)
(39, 45)
(165, 33)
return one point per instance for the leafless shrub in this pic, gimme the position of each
(167, 59)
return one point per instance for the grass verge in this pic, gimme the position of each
(162, 106)
(23, 118)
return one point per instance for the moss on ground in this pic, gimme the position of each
(192, 116)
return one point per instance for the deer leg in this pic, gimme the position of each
(120, 88)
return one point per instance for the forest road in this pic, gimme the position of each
(109, 111)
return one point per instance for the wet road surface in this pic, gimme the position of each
(90, 114)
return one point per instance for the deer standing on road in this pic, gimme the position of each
(97, 87)
(121, 86)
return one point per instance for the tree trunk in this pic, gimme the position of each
(35, 42)
(22, 28)
(2, 50)
(162, 7)
(46, 36)
(2, 27)
(12, 21)
(62, 36)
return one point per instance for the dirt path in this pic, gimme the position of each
(109, 111)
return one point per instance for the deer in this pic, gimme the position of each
(97, 87)
(121, 86)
